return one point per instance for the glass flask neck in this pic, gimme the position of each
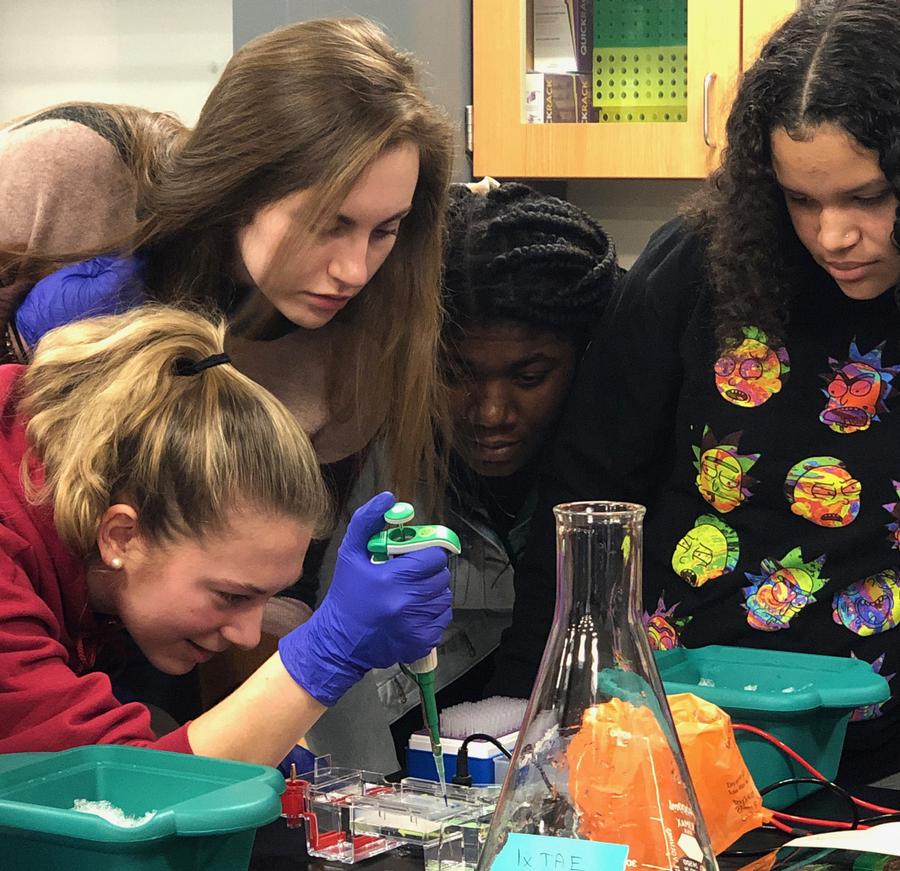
(598, 595)
(598, 561)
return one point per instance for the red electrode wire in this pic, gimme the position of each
(780, 825)
(812, 821)
(789, 751)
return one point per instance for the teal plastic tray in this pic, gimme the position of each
(206, 810)
(803, 699)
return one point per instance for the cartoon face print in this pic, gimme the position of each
(663, 628)
(752, 372)
(722, 477)
(719, 479)
(707, 550)
(821, 490)
(783, 589)
(870, 712)
(869, 606)
(853, 393)
(856, 390)
(893, 508)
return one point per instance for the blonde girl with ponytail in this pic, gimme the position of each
(147, 486)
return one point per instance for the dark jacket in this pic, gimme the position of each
(795, 545)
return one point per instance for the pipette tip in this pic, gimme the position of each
(442, 778)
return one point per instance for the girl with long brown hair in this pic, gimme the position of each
(306, 203)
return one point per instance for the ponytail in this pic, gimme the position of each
(112, 420)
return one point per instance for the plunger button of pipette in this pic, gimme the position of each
(400, 513)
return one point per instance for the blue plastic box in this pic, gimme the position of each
(420, 762)
(803, 699)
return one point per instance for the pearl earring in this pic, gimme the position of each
(116, 562)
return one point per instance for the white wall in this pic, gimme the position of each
(167, 54)
(630, 210)
(161, 54)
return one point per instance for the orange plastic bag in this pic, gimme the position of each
(627, 788)
(729, 800)
(620, 765)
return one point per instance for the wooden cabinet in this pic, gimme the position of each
(759, 19)
(723, 36)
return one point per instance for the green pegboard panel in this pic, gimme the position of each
(640, 60)
(640, 23)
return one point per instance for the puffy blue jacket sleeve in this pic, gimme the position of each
(99, 286)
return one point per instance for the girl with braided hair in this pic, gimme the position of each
(525, 276)
(741, 383)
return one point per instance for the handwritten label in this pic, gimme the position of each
(543, 853)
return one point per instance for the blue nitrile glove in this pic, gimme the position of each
(103, 285)
(302, 759)
(373, 615)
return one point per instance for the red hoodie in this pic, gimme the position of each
(50, 699)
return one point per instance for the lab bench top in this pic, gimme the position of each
(278, 848)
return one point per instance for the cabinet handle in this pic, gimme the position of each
(708, 80)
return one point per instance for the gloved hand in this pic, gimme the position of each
(302, 759)
(373, 615)
(100, 286)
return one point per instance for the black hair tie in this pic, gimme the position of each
(191, 367)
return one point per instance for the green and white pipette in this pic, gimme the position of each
(422, 672)
(401, 538)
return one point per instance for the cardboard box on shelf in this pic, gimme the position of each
(562, 36)
(582, 17)
(559, 98)
(552, 37)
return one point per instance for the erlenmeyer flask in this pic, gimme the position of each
(598, 762)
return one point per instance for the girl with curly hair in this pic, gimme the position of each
(744, 372)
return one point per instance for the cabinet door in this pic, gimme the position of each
(505, 146)
(761, 17)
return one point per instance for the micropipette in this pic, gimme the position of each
(422, 672)
(398, 539)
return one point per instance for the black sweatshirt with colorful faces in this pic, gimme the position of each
(771, 474)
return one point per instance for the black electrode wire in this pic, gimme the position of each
(791, 781)
(462, 776)
(481, 736)
(828, 784)
(756, 854)
(882, 818)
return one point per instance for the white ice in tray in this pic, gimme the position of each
(111, 813)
